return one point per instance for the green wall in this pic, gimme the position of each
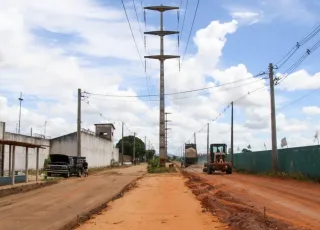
(305, 160)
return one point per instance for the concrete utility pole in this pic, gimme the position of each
(79, 125)
(162, 58)
(134, 147)
(20, 99)
(208, 146)
(231, 153)
(273, 121)
(122, 145)
(195, 138)
(166, 128)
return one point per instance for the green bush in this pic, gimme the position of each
(46, 162)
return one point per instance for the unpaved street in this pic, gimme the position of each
(158, 202)
(54, 206)
(294, 202)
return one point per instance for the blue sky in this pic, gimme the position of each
(265, 31)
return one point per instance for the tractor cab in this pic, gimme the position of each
(217, 161)
(218, 153)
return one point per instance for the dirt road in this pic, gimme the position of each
(53, 207)
(159, 202)
(294, 202)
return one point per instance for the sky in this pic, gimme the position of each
(49, 49)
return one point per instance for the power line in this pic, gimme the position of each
(184, 18)
(187, 91)
(298, 62)
(299, 44)
(298, 99)
(135, 42)
(194, 18)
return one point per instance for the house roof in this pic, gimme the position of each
(105, 124)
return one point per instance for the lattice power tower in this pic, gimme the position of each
(162, 57)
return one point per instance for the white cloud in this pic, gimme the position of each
(268, 11)
(300, 80)
(49, 73)
(247, 17)
(311, 110)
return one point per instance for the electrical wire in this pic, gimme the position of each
(298, 62)
(135, 42)
(194, 18)
(187, 91)
(298, 99)
(299, 44)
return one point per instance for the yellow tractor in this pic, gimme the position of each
(217, 160)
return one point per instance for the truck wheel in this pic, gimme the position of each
(79, 174)
(229, 170)
(209, 170)
(204, 169)
(67, 175)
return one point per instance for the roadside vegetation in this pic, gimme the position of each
(154, 167)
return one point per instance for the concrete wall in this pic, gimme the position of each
(66, 144)
(98, 151)
(2, 130)
(20, 152)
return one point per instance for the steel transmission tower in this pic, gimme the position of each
(162, 57)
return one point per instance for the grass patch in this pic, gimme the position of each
(160, 169)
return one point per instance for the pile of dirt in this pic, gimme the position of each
(229, 210)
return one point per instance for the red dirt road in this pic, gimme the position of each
(294, 202)
(158, 202)
(55, 206)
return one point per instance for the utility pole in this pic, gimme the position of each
(195, 138)
(162, 58)
(231, 153)
(208, 147)
(122, 145)
(79, 124)
(166, 128)
(273, 121)
(20, 99)
(145, 147)
(134, 147)
(45, 126)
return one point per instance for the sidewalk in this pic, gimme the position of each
(158, 202)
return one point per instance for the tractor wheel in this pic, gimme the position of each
(209, 170)
(229, 170)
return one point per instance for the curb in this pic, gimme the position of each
(81, 219)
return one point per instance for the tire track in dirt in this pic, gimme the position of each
(231, 211)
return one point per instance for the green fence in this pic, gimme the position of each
(305, 160)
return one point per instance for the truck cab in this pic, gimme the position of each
(217, 160)
(61, 164)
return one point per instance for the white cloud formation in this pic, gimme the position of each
(49, 73)
(311, 110)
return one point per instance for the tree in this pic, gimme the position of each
(128, 142)
(150, 154)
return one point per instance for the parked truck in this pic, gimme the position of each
(65, 165)
(191, 155)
